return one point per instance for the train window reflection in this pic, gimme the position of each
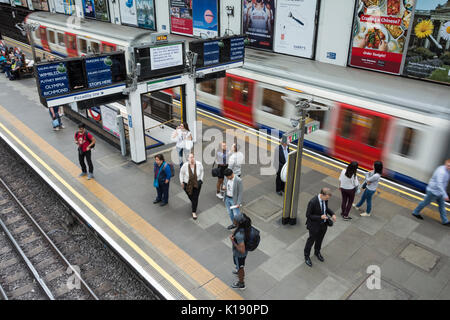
(245, 93)
(61, 40)
(209, 86)
(229, 91)
(51, 36)
(272, 102)
(407, 141)
(375, 131)
(95, 47)
(346, 124)
(83, 45)
(107, 48)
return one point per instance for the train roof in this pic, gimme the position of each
(411, 94)
(130, 35)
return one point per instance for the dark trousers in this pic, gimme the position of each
(348, 195)
(316, 236)
(278, 183)
(87, 155)
(194, 196)
(163, 191)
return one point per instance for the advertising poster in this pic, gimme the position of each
(205, 18)
(65, 6)
(380, 30)
(89, 9)
(181, 17)
(96, 9)
(295, 27)
(258, 22)
(109, 123)
(428, 55)
(5, 1)
(40, 5)
(145, 10)
(128, 12)
(22, 3)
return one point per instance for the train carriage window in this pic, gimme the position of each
(230, 87)
(407, 142)
(272, 102)
(82, 45)
(107, 48)
(374, 132)
(318, 116)
(38, 33)
(346, 124)
(95, 47)
(71, 42)
(245, 94)
(209, 86)
(61, 40)
(51, 36)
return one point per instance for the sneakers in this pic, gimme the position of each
(354, 206)
(62, 127)
(346, 218)
(238, 285)
(218, 195)
(234, 271)
(90, 176)
(82, 174)
(56, 129)
(418, 216)
(364, 214)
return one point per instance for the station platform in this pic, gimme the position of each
(192, 259)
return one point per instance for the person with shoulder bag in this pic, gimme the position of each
(370, 187)
(85, 142)
(183, 137)
(235, 160)
(191, 179)
(348, 184)
(161, 180)
(222, 164)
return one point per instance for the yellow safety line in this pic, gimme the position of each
(321, 160)
(103, 218)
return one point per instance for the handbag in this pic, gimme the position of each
(215, 171)
(364, 186)
(329, 221)
(55, 123)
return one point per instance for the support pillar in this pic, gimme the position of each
(136, 127)
(190, 106)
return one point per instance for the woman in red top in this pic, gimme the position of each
(85, 142)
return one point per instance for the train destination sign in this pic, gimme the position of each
(98, 71)
(53, 80)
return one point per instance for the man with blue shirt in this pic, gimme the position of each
(436, 190)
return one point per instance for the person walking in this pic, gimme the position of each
(316, 223)
(235, 160)
(183, 136)
(85, 142)
(233, 195)
(237, 238)
(436, 190)
(191, 179)
(283, 151)
(54, 113)
(161, 180)
(348, 184)
(222, 163)
(370, 185)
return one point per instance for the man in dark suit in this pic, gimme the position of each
(316, 223)
(283, 151)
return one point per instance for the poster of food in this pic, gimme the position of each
(145, 10)
(128, 12)
(205, 18)
(380, 30)
(65, 6)
(295, 27)
(428, 55)
(181, 17)
(258, 22)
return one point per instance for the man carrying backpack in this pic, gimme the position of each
(85, 142)
(163, 173)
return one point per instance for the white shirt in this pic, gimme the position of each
(348, 183)
(322, 203)
(230, 188)
(235, 161)
(184, 172)
(373, 179)
(180, 136)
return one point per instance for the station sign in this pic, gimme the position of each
(73, 79)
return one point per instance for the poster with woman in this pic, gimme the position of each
(258, 22)
(380, 30)
(205, 18)
(428, 55)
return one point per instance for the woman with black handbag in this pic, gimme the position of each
(348, 184)
(222, 163)
(191, 179)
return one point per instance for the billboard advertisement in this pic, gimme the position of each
(22, 3)
(428, 52)
(181, 17)
(205, 18)
(128, 12)
(258, 22)
(295, 27)
(96, 9)
(40, 5)
(65, 6)
(380, 30)
(145, 10)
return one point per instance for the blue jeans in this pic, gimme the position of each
(431, 197)
(367, 195)
(231, 212)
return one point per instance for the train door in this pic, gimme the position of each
(71, 44)
(82, 45)
(360, 135)
(51, 39)
(238, 99)
(44, 40)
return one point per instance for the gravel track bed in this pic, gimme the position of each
(106, 274)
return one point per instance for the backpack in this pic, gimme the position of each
(252, 243)
(172, 168)
(87, 138)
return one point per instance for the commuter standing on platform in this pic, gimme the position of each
(54, 113)
(436, 190)
(370, 186)
(235, 160)
(233, 195)
(238, 238)
(191, 179)
(283, 151)
(85, 142)
(316, 223)
(222, 163)
(348, 184)
(162, 179)
(183, 137)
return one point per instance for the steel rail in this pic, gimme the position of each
(50, 242)
(3, 293)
